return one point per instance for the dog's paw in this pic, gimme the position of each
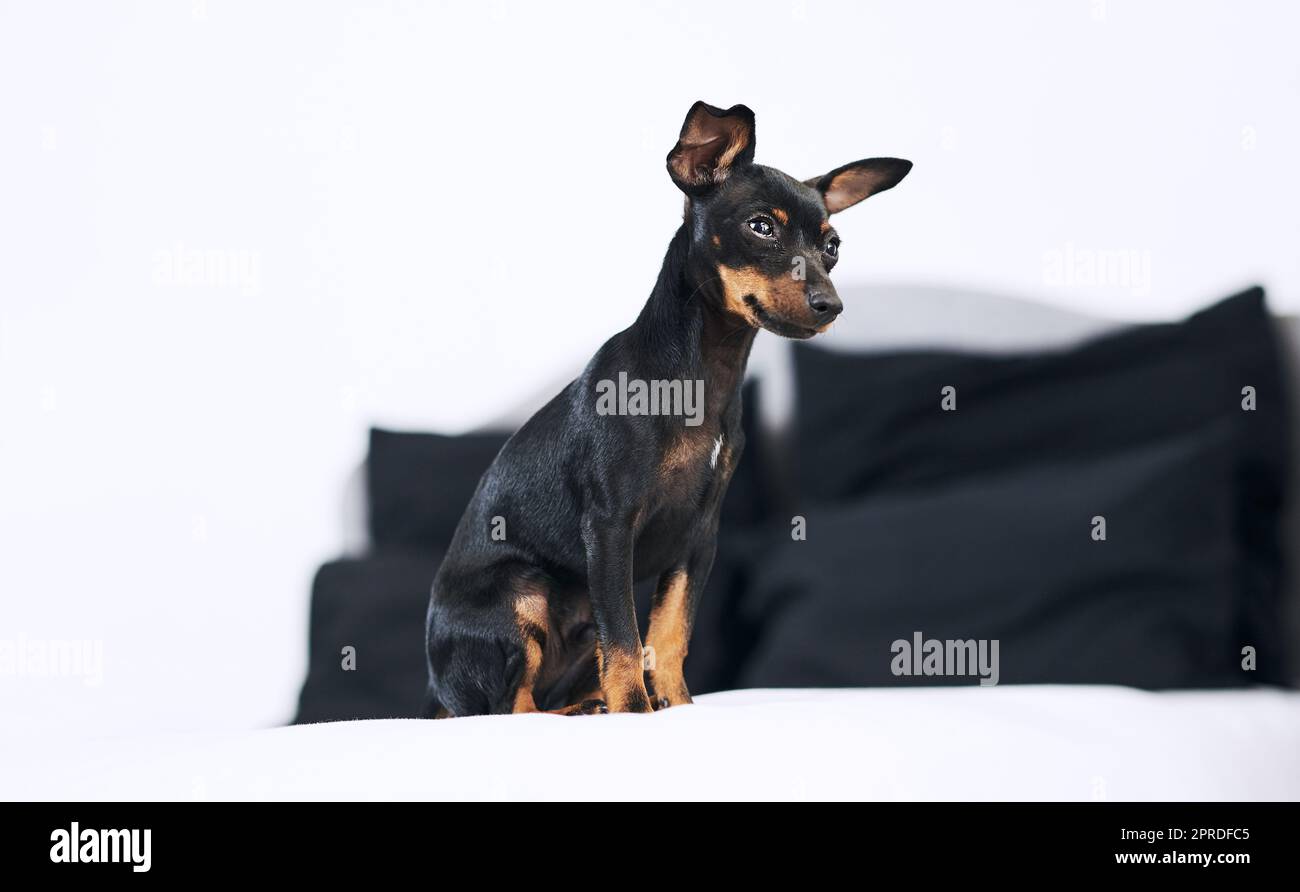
(674, 696)
(586, 707)
(666, 703)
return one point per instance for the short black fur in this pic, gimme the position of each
(532, 608)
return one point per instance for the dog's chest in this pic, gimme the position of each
(693, 465)
(692, 456)
(687, 493)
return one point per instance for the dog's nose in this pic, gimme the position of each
(826, 305)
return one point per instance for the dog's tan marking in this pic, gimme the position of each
(669, 635)
(717, 241)
(524, 701)
(531, 610)
(826, 226)
(737, 138)
(781, 216)
(621, 679)
(782, 295)
(533, 621)
(736, 283)
(687, 450)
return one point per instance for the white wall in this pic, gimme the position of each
(444, 207)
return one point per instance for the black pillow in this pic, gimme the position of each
(418, 484)
(868, 422)
(872, 425)
(1009, 556)
(376, 606)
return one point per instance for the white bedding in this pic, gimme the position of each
(1014, 742)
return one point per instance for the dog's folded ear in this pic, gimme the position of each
(713, 142)
(845, 186)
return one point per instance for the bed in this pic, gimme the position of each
(992, 743)
(1123, 672)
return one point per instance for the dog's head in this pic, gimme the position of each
(765, 236)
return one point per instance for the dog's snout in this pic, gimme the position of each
(825, 304)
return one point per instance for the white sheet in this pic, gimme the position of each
(1009, 742)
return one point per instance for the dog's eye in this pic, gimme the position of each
(833, 248)
(763, 227)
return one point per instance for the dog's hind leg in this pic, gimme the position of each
(488, 649)
(532, 615)
(532, 619)
(483, 644)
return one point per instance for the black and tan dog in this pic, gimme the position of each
(532, 609)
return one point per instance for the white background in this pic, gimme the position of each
(451, 205)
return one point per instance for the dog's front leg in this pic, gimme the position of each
(672, 617)
(618, 641)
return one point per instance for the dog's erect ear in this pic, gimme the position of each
(713, 143)
(845, 186)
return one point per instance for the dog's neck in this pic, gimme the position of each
(682, 332)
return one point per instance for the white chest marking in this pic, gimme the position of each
(717, 448)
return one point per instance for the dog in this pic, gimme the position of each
(532, 608)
